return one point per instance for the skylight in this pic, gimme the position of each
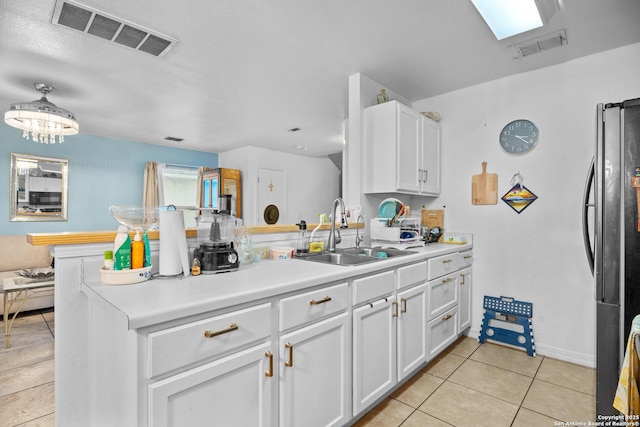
(507, 18)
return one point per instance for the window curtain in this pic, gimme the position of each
(201, 171)
(150, 190)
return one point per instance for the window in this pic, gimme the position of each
(178, 186)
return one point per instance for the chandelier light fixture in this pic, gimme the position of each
(42, 120)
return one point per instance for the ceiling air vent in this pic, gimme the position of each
(91, 21)
(545, 42)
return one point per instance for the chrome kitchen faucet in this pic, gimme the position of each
(333, 239)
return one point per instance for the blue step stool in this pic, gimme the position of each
(506, 310)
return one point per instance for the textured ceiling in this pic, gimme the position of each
(243, 72)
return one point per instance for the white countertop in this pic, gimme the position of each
(161, 300)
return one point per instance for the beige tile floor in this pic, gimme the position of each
(477, 385)
(26, 372)
(468, 385)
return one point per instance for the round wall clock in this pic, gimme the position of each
(519, 136)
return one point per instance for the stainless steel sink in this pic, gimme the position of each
(376, 252)
(356, 256)
(340, 258)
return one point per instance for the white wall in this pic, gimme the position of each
(312, 182)
(537, 255)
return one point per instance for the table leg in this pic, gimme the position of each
(7, 340)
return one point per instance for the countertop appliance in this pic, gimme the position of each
(216, 252)
(217, 257)
(613, 251)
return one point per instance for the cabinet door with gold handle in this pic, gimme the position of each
(395, 309)
(269, 355)
(289, 362)
(312, 370)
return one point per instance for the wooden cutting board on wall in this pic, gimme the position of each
(484, 187)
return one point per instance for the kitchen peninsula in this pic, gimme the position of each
(245, 346)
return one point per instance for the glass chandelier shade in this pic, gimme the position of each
(42, 120)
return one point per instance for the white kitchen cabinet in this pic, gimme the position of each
(44, 184)
(412, 324)
(442, 331)
(233, 391)
(374, 351)
(402, 153)
(389, 335)
(311, 355)
(444, 264)
(464, 281)
(443, 294)
(314, 375)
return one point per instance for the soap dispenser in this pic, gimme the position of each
(303, 240)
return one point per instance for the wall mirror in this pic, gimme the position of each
(39, 187)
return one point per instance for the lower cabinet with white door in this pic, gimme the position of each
(313, 362)
(449, 300)
(465, 278)
(235, 389)
(321, 356)
(389, 331)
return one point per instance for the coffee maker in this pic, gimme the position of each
(215, 236)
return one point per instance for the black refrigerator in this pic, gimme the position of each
(611, 226)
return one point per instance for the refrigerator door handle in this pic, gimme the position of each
(585, 216)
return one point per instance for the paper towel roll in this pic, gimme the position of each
(174, 255)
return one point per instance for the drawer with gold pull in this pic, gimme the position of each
(445, 264)
(310, 306)
(443, 295)
(190, 343)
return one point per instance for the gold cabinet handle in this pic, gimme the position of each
(395, 312)
(322, 301)
(232, 327)
(468, 256)
(403, 306)
(290, 361)
(448, 279)
(447, 261)
(269, 373)
(462, 279)
(447, 317)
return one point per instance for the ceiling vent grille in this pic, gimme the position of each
(91, 21)
(545, 42)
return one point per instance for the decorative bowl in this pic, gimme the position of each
(144, 217)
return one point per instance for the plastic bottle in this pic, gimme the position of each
(147, 249)
(108, 260)
(137, 251)
(122, 250)
(303, 240)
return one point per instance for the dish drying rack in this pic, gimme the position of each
(405, 233)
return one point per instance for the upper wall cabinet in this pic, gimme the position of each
(402, 151)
